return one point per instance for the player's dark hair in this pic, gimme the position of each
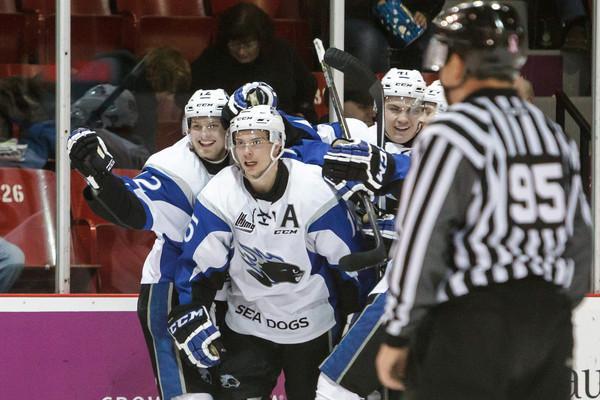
(243, 21)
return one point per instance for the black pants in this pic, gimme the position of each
(507, 342)
(250, 366)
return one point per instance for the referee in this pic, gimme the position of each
(495, 242)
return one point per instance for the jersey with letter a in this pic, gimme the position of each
(167, 187)
(280, 255)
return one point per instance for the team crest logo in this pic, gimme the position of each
(268, 268)
(243, 224)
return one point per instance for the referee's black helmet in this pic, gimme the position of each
(488, 36)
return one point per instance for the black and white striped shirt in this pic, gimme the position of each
(494, 194)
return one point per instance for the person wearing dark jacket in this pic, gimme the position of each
(246, 50)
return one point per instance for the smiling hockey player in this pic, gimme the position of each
(279, 231)
(160, 199)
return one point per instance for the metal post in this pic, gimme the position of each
(596, 146)
(63, 122)
(337, 15)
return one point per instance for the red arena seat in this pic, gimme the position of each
(164, 8)
(28, 220)
(271, 7)
(121, 252)
(189, 35)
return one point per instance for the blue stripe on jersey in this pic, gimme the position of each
(159, 302)
(131, 186)
(309, 151)
(337, 130)
(402, 166)
(337, 220)
(171, 250)
(301, 123)
(320, 266)
(342, 357)
(159, 186)
(210, 223)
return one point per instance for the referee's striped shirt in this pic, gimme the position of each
(493, 194)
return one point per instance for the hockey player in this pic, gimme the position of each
(160, 199)
(278, 230)
(347, 374)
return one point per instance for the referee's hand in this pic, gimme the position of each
(391, 366)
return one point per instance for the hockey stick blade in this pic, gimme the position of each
(370, 258)
(349, 64)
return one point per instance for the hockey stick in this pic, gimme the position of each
(349, 64)
(127, 81)
(378, 255)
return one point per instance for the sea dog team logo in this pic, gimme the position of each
(268, 268)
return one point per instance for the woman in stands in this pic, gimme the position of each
(246, 50)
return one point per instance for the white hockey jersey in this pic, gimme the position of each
(281, 256)
(167, 187)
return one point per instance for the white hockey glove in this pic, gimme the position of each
(195, 335)
(355, 165)
(249, 95)
(89, 155)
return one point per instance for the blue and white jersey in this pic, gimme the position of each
(167, 187)
(281, 256)
(312, 151)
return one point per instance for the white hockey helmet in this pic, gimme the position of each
(435, 94)
(403, 83)
(260, 117)
(203, 103)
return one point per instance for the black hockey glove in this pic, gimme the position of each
(249, 95)
(195, 335)
(89, 156)
(355, 165)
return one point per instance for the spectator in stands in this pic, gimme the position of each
(372, 36)
(575, 22)
(161, 92)
(24, 113)
(12, 261)
(247, 50)
(22, 106)
(114, 125)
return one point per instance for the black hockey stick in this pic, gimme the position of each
(127, 81)
(378, 255)
(349, 64)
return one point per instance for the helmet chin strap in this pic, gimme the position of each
(191, 147)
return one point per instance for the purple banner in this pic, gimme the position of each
(74, 356)
(79, 355)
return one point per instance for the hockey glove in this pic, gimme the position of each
(362, 165)
(89, 156)
(386, 224)
(249, 95)
(347, 189)
(195, 335)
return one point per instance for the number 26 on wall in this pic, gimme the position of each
(537, 193)
(11, 193)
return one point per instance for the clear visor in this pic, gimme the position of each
(435, 56)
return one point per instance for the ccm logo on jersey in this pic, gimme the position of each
(253, 315)
(185, 319)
